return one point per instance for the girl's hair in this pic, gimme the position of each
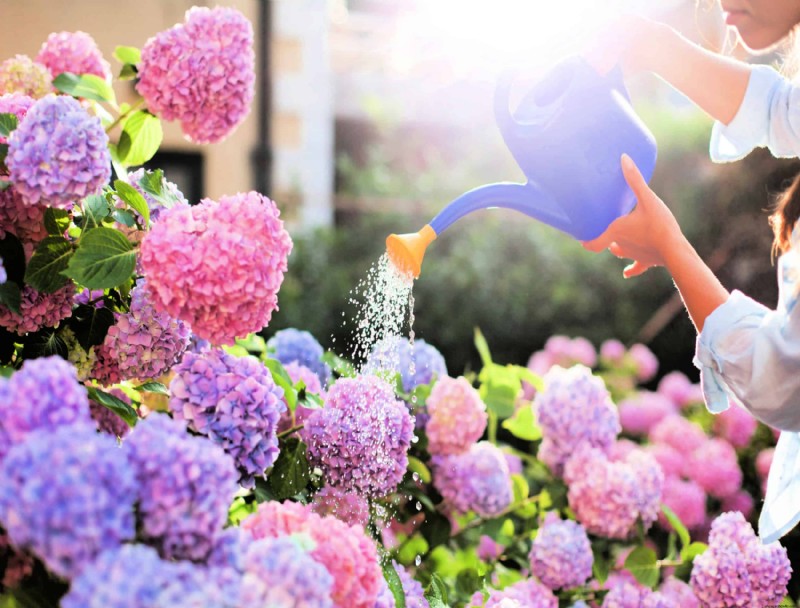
(784, 216)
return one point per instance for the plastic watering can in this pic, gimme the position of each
(567, 135)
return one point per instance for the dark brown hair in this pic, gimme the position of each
(784, 216)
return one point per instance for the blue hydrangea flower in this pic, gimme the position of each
(418, 363)
(186, 484)
(67, 494)
(291, 344)
(235, 402)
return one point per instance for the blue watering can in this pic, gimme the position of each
(567, 135)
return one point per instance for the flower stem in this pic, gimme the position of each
(134, 107)
(290, 431)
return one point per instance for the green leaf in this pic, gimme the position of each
(44, 343)
(4, 185)
(152, 182)
(8, 122)
(124, 217)
(282, 379)
(500, 386)
(253, 343)
(134, 200)
(128, 72)
(290, 474)
(95, 210)
(520, 487)
(10, 296)
(90, 325)
(436, 529)
(468, 581)
(394, 583)
(3, 156)
(56, 221)
(643, 564)
(85, 86)
(104, 259)
(140, 138)
(128, 54)
(528, 376)
(677, 525)
(115, 404)
(340, 366)
(153, 387)
(483, 347)
(600, 564)
(523, 424)
(240, 509)
(415, 465)
(436, 593)
(688, 553)
(47, 263)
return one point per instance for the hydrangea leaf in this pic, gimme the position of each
(90, 325)
(128, 54)
(394, 583)
(282, 379)
(44, 343)
(436, 529)
(134, 200)
(499, 388)
(523, 424)
(643, 564)
(468, 581)
(47, 263)
(56, 221)
(84, 86)
(8, 122)
(115, 404)
(291, 472)
(140, 139)
(103, 260)
(677, 525)
(153, 387)
(10, 296)
(95, 210)
(436, 594)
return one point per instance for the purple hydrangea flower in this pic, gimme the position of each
(67, 494)
(575, 408)
(360, 439)
(3, 274)
(38, 310)
(456, 416)
(476, 480)
(20, 74)
(235, 402)
(74, 52)
(736, 569)
(186, 484)
(527, 593)
(43, 394)
(134, 576)
(679, 592)
(609, 497)
(351, 508)
(300, 373)
(107, 421)
(201, 73)
(686, 499)
(630, 595)
(412, 589)
(146, 343)
(640, 413)
(58, 154)
(299, 346)
(715, 466)
(561, 556)
(418, 362)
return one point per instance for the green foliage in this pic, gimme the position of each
(140, 139)
(103, 260)
(134, 200)
(394, 583)
(643, 564)
(45, 268)
(85, 86)
(115, 404)
(8, 122)
(291, 473)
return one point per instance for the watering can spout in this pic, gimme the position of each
(407, 250)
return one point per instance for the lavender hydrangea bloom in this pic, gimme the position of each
(201, 73)
(574, 409)
(58, 154)
(529, 593)
(361, 438)
(74, 52)
(736, 569)
(456, 416)
(38, 310)
(629, 595)
(43, 394)
(561, 556)
(134, 576)
(185, 484)
(16, 104)
(476, 480)
(418, 362)
(20, 74)
(412, 590)
(235, 402)
(18, 564)
(67, 494)
(679, 592)
(296, 345)
(146, 343)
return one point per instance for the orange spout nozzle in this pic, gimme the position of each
(407, 250)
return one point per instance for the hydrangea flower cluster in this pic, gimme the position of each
(741, 501)
(345, 551)
(609, 497)
(201, 73)
(185, 487)
(412, 590)
(82, 360)
(18, 564)
(360, 439)
(280, 572)
(679, 389)
(300, 373)
(736, 425)
(524, 594)
(134, 576)
(678, 432)
(67, 494)
(107, 421)
(640, 413)
(106, 367)
(58, 154)
(645, 362)
(476, 480)
(235, 402)
(612, 351)
(351, 508)
(169, 190)
(675, 590)
(417, 362)
(218, 266)
(686, 499)
(575, 408)
(146, 343)
(17, 104)
(74, 52)
(564, 352)
(714, 465)
(561, 556)
(299, 346)
(736, 569)
(631, 595)
(43, 394)
(456, 416)
(21, 220)
(38, 310)
(20, 74)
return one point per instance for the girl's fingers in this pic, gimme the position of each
(634, 270)
(599, 244)
(634, 177)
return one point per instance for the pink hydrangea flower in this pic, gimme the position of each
(525, 594)
(686, 499)
(74, 52)
(38, 310)
(488, 549)
(575, 408)
(351, 508)
(561, 556)
(457, 416)
(609, 497)
(678, 432)
(671, 461)
(628, 595)
(645, 362)
(640, 413)
(677, 591)
(24, 221)
(107, 421)
(715, 466)
(764, 462)
(612, 351)
(741, 501)
(106, 367)
(218, 266)
(17, 104)
(736, 425)
(20, 74)
(201, 73)
(346, 551)
(677, 387)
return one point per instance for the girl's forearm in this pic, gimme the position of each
(700, 289)
(715, 83)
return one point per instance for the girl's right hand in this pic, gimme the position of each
(631, 40)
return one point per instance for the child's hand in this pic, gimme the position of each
(630, 39)
(646, 234)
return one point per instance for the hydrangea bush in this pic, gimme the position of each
(161, 446)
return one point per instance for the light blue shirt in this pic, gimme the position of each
(746, 352)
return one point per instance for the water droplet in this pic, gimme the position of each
(419, 506)
(415, 476)
(418, 560)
